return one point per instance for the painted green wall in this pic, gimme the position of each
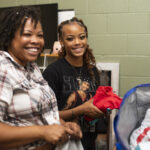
(119, 31)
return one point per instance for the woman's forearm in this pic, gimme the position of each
(11, 136)
(86, 108)
(71, 113)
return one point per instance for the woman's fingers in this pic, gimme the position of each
(76, 131)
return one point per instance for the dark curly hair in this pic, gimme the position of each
(88, 57)
(13, 18)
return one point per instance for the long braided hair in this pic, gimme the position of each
(88, 57)
(13, 18)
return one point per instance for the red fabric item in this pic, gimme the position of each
(105, 98)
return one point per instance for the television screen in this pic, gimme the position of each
(49, 22)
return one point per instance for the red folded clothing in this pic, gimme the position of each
(105, 98)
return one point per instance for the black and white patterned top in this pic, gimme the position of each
(25, 97)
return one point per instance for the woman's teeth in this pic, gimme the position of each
(33, 49)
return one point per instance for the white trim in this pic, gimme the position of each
(114, 68)
(65, 14)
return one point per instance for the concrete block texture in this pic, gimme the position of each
(80, 6)
(138, 44)
(129, 23)
(96, 23)
(119, 31)
(108, 6)
(128, 82)
(6, 3)
(139, 6)
(108, 44)
(131, 66)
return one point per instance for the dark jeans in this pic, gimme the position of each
(88, 140)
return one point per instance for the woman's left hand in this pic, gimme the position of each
(77, 133)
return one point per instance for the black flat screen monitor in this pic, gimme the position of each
(49, 20)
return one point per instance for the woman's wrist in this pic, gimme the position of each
(77, 111)
(40, 132)
(73, 115)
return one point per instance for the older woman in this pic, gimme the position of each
(29, 116)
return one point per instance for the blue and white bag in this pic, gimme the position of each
(130, 115)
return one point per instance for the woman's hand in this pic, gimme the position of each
(55, 134)
(77, 134)
(90, 110)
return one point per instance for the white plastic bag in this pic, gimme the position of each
(141, 135)
(143, 146)
(70, 145)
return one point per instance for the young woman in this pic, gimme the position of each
(29, 116)
(75, 78)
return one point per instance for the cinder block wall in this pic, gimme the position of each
(119, 31)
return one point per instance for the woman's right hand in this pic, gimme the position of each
(90, 110)
(55, 134)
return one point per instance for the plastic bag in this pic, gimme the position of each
(141, 135)
(70, 145)
(143, 146)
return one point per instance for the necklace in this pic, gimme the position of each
(77, 71)
(78, 75)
